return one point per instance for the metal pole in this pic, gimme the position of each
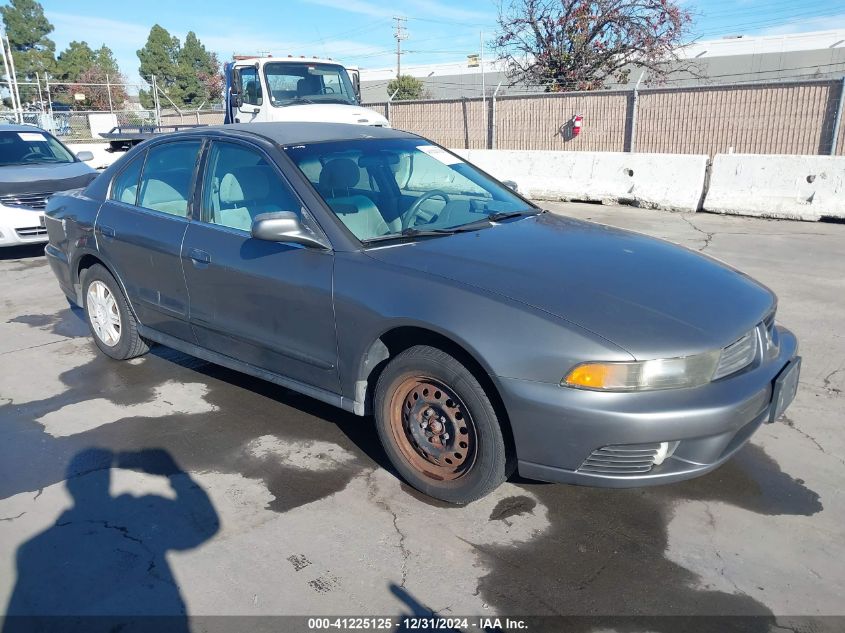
(155, 102)
(837, 120)
(40, 99)
(8, 76)
(635, 97)
(493, 140)
(108, 89)
(483, 87)
(389, 101)
(15, 79)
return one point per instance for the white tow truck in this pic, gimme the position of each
(295, 89)
(276, 89)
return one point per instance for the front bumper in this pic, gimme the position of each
(21, 226)
(556, 429)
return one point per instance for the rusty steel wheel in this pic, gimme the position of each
(433, 429)
(438, 426)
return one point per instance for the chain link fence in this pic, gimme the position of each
(83, 111)
(795, 117)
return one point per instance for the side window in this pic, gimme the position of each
(240, 184)
(125, 185)
(250, 86)
(166, 181)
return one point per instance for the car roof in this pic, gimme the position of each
(17, 127)
(289, 133)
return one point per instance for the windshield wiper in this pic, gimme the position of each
(410, 232)
(486, 221)
(297, 101)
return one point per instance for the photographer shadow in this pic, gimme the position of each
(102, 565)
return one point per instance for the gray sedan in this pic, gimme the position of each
(377, 271)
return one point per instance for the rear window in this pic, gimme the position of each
(166, 182)
(34, 147)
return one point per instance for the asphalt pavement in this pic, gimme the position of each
(228, 495)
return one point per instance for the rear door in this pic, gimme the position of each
(265, 303)
(140, 229)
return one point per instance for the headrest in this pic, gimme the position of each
(246, 183)
(308, 85)
(339, 175)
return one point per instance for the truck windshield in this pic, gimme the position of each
(31, 148)
(294, 83)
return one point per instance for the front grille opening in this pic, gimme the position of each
(26, 200)
(627, 459)
(32, 231)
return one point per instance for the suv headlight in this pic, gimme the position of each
(666, 373)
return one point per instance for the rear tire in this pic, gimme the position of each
(110, 320)
(438, 426)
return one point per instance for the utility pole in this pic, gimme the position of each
(400, 33)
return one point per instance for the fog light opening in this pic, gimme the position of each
(664, 451)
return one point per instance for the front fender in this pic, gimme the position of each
(506, 338)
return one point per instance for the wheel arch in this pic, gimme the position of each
(401, 337)
(85, 261)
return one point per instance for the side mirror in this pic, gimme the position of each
(283, 226)
(510, 184)
(85, 156)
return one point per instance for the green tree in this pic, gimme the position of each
(104, 60)
(197, 69)
(159, 59)
(406, 88)
(73, 61)
(27, 28)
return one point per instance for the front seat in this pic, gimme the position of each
(243, 195)
(360, 214)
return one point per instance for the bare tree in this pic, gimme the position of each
(585, 44)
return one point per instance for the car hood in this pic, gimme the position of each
(648, 296)
(48, 177)
(328, 113)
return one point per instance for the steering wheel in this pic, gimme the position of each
(328, 90)
(411, 213)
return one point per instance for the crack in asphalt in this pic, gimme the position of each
(381, 503)
(791, 424)
(24, 349)
(13, 518)
(708, 236)
(826, 382)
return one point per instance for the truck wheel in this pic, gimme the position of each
(112, 323)
(438, 427)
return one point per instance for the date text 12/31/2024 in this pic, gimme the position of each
(416, 623)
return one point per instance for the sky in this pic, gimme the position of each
(360, 32)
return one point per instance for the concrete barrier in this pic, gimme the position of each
(660, 181)
(102, 157)
(777, 186)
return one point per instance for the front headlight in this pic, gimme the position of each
(668, 373)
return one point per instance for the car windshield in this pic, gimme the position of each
(294, 83)
(384, 189)
(31, 148)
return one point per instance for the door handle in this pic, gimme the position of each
(106, 231)
(200, 258)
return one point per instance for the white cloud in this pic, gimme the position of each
(125, 38)
(824, 23)
(353, 6)
(428, 8)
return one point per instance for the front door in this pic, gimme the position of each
(252, 108)
(140, 230)
(265, 303)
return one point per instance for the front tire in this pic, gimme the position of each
(438, 426)
(110, 320)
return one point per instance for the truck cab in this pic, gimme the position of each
(294, 89)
